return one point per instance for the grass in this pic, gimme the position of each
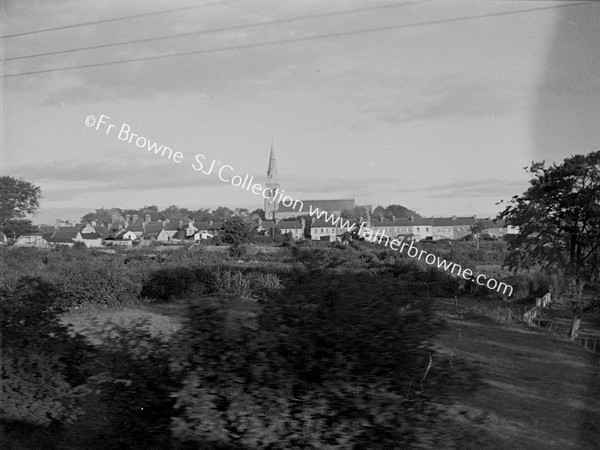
(538, 391)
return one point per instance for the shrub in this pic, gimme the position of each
(232, 282)
(98, 282)
(264, 284)
(171, 283)
(330, 364)
(40, 359)
(238, 250)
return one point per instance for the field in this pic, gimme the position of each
(316, 347)
(537, 391)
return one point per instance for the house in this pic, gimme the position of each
(452, 227)
(92, 239)
(164, 235)
(495, 228)
(35, 239)
(202, 235)
(189, 229)
(121, 238)
(151, 229)
(137, 229)
(294, 228)
(64, 236)
(401, 228)
(170, 230)
(321, 230)
(264, 227)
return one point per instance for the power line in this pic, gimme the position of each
(134, 16)
(216, 30)
(299, 39)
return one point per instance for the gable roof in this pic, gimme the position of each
(63, 235)
(289, 225)
(135, 227)
(90, 236)
(453, 221)
(153, 227)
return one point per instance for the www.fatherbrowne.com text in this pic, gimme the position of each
(226, 174)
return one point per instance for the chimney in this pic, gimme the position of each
(127, 218)
(135, 218)
(148, 218)
(303, 222)
(180, 223)
(453, 217)
(412, 219)
(393, 218)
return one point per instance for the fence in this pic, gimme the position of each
(589, 339)
(536, 311)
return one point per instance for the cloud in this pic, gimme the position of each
(451, 97)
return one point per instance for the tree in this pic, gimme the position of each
(201, 215)
(558, 219)
(258, 212)
(18, 227)
(235, 230)
(102, 215)
(401, 211)
(477, 228)
(18, 198)
(222, 213)
(380, 213)
(174, 213)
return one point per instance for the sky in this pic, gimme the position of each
(434, 105)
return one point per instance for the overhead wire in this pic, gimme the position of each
(299, 39)
(116, 19)
(217, 30)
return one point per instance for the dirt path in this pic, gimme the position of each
(538, 391)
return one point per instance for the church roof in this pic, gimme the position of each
(331, 206)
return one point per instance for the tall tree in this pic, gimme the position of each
(558, 219)
(18, 199)
(222, 213)
(402, 211)
(236, 230)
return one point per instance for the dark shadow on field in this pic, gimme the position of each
(336, 359)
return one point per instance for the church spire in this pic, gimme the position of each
(271, 186)
(272, 170)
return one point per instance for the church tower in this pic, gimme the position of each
(271, 186)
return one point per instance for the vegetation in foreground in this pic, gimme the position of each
(334, 351)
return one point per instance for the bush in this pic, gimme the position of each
(264, 284)
(171, 283)
(233, 282)
(238, 250)
(97, 282)
(41, 372)
(331, 354)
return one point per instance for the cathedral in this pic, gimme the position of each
(275, 210)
